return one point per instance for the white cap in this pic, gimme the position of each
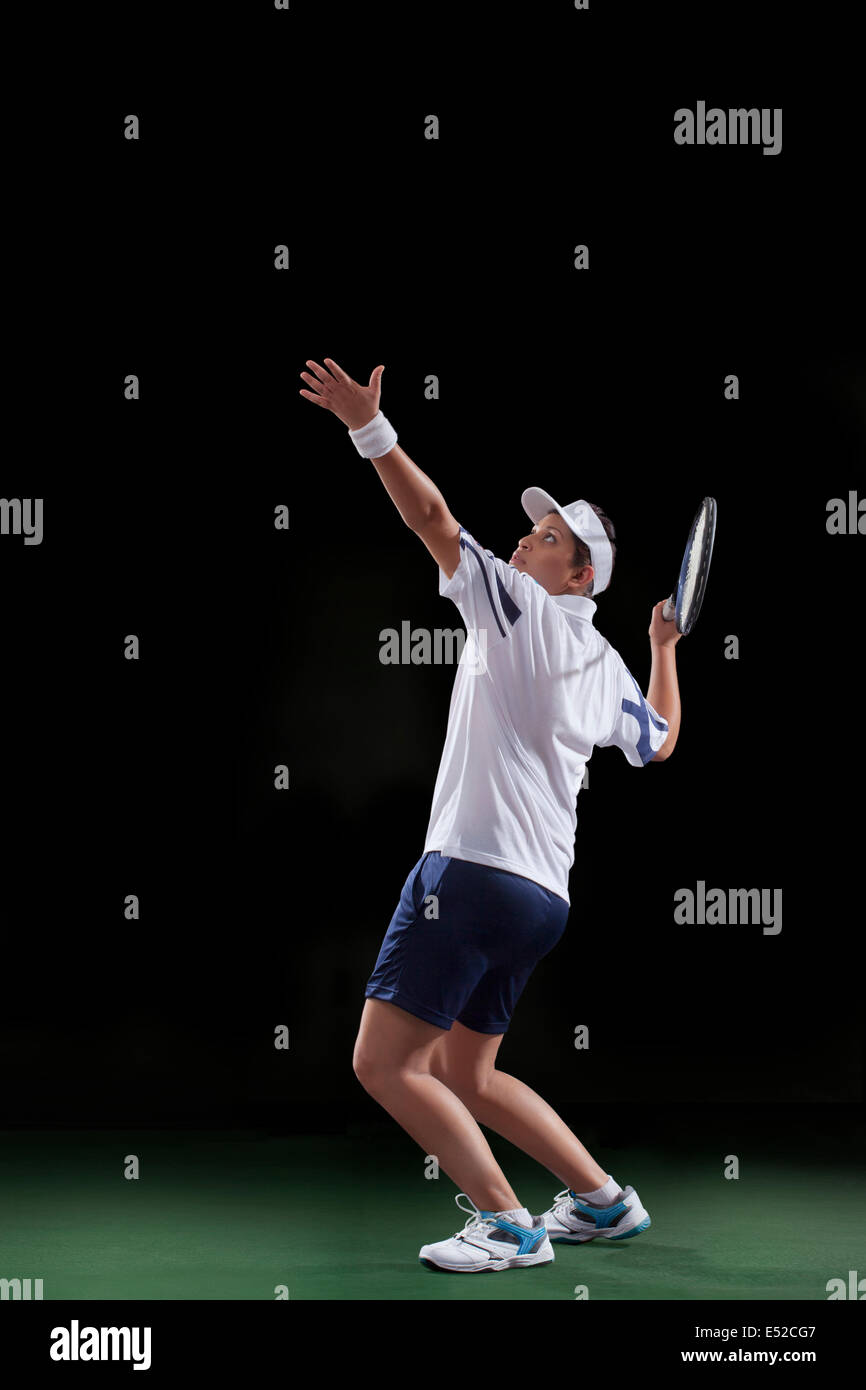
(583, 521)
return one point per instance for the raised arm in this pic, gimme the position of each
(416, 497)
(422, 506)
(664, 692)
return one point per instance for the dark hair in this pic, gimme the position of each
(581, 551)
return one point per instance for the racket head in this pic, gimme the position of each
(692, 583)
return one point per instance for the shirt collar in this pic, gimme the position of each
(577, 605)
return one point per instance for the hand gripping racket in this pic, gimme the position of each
(685, 605)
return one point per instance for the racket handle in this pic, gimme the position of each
(670, 609)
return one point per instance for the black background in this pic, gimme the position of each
(454, 258)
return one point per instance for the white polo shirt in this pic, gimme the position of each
(537, 687)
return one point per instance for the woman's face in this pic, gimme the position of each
(547, 554)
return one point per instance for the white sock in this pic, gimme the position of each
(602, 1196)
(520, 1215)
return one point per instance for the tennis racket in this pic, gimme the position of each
(684, 606)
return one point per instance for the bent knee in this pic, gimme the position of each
(362, 1064)
(371, 1069)
(471, 1085)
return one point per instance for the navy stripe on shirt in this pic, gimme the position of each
(510, 608)
(641, 711)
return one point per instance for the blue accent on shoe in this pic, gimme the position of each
(600, 1217)
(636, 1232)
(530, 1237)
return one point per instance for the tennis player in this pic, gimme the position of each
(536, 689)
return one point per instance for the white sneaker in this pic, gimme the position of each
(490, 1241)
(575, 1220)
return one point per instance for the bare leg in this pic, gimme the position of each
(512, 1109)
(392, 1062)
(439, 1121)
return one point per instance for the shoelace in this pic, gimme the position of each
(476, 1224)
(562, 1203)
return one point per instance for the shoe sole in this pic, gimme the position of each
(600, 1235)
(492, 1267)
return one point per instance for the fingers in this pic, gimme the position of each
(337, 370)
(313, 381)
(321, 373)
(323, 382)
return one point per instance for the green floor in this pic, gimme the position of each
(229, 1216)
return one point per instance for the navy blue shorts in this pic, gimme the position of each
(472, 962)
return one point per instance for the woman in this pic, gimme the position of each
(536, 689)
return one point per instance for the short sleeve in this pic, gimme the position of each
(639, 730)
(490, 594)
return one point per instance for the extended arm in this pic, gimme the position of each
(664, 692)
(416, 497)
(421, 505)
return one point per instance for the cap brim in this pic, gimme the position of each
(537, 503)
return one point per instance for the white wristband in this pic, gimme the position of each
(375, 438)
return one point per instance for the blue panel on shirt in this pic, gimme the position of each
(471, 548)
(640, 709)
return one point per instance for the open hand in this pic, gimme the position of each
(334, 389)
